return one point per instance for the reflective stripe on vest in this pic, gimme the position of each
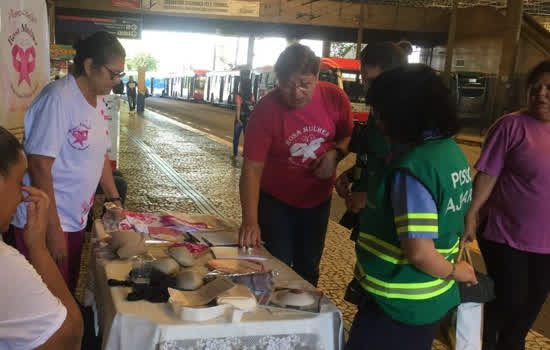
(392, 254)
(419, 222)
(411, 291)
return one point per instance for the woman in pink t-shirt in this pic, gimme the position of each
(295, 138)
(513, 187)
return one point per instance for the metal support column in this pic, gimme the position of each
(507, 74)
(250, 53)
(326, 48)
(51, 19)
(451, 39)
(360, 30)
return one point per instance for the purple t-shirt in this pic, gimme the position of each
(517, 150)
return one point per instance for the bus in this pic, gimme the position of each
(263, 81)
(342, 72)
(188, 86)
(222, 86)
(346, 74)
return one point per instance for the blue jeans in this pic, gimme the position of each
(238, 127)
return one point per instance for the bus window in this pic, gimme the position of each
(201, 81)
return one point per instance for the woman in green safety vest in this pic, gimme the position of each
(406, 246)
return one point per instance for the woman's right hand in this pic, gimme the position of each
(465, 273)
(250, 235)
(34, 233)
(342, 185)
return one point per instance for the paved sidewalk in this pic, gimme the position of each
(170, 166)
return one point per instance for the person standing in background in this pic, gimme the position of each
(244, 104)
(510, 212)
(369, 143)
(66, 141)
(131, 92)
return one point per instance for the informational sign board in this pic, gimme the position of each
(242, 8)
(24, 58)
(130, 4)
(70, 28)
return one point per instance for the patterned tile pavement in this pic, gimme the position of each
(204, 163)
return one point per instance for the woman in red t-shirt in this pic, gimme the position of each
(295, 138)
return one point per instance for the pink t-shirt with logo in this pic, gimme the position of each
(288, 140)
(61, 124)
(517, 150)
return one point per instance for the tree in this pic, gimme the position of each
(144, 59)
(344, 50)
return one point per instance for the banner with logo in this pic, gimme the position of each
(241, 8)
(130, 4)
(24, 58)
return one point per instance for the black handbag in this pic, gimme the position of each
(483, 291)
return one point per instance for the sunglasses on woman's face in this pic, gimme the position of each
(114, 75)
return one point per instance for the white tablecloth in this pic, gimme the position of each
(143, 325)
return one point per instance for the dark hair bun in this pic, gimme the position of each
(101, 47)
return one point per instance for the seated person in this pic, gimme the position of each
(37, 311)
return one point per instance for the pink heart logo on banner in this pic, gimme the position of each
(24, 62)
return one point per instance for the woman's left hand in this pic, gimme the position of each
(325, 166)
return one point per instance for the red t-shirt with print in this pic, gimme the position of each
(288, 140)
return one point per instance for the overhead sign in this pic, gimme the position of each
(241, 8)
(130, 4)
(71, 27)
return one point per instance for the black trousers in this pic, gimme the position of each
(522, 283)
(296, 236)
(373, 329)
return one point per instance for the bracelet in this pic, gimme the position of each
(112, 199)
(451, 276)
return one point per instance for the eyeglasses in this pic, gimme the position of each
(290, 85)
(115, 75)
